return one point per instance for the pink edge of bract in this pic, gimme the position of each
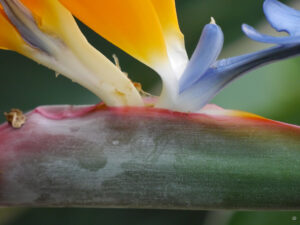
(212, 114)
(64, 112)
(211, 111)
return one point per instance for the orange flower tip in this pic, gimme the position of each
(238, 117)
(24, 23)
(216, 110)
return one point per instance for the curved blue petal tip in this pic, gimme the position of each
(259, 37)
(282, 18)
(206, 53)
(223, 72)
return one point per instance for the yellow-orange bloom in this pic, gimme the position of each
(47, 32)
(148, 30)
(9, 38)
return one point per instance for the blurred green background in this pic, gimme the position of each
(272, 91)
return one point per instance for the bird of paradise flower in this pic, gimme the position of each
(45, 31)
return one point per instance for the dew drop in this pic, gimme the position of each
(115, 142)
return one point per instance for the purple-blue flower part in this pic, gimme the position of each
(219, 74)
(206, 53)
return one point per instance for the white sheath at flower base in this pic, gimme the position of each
(166, 11)
(147, 30)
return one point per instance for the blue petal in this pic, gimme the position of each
(206, 53)
(282, 17)
(257, 36)
(225, 71)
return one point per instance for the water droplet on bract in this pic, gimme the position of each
(115, 142)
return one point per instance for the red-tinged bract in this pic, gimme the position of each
(149, 158)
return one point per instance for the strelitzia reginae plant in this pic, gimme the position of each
(173, 151)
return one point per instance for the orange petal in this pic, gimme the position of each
(166, 11)
(50, 16)
(9, 37)
(55, 41)
(131, 25)
(47, 14)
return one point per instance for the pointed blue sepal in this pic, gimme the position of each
(223, 72)
(206, 53)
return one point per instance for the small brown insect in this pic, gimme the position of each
(16, 118)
